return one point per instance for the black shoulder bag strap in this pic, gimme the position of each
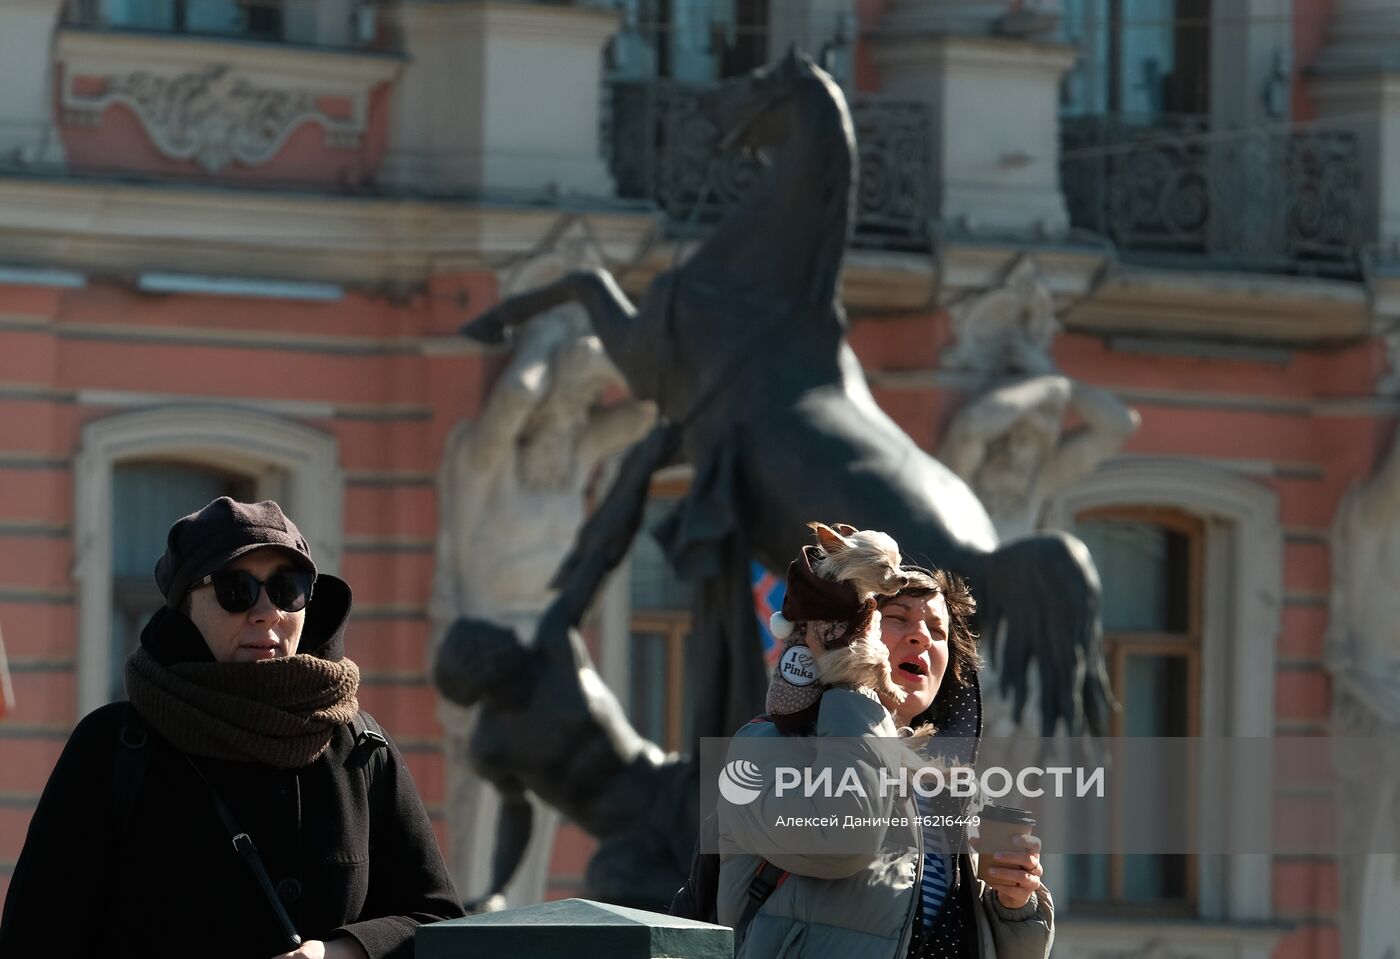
(243, 843)
(766, 881)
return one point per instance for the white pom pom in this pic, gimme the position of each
(779, 625)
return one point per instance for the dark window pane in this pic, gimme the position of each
(1138, 59)
(1156, 697)
(1145, 570)
(146, 499)
(1154, 878)
(1088, 877)
(653, 584)
(648, 682)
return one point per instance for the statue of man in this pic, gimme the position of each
(1364, 632)
(511, 498)
(1010, 446)
(1363, 656)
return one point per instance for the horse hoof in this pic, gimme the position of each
(488, 328)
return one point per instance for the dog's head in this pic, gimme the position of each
(866, 558)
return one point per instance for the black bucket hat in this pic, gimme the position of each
(207, 541)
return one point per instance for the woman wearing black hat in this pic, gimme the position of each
(241, 804)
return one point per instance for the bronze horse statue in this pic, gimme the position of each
(743, 347)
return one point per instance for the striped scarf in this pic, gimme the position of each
(937, 866)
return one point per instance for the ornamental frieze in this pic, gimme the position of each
(214, 115)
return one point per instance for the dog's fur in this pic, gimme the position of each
(869, 560)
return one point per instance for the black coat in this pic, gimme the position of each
(169, 882)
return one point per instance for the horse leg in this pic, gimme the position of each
(611, 313)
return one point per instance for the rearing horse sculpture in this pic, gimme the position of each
(743, 347)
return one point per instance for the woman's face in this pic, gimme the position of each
(262, 632)
(915, 632)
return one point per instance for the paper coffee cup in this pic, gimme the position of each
(995, 828)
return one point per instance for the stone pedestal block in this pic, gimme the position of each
(571, 928)
(499, 98)
(994, 110)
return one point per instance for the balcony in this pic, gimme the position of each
(1173, 190)
(662, 148)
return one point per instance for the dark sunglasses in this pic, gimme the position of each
(237, 589)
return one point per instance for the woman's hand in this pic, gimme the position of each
(343, 948)
(1016, 874)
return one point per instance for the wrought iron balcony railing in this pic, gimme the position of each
(662, 148)
(1174, 186)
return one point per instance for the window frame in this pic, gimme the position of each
(1119, 645)
(1241, 606)
(291, 462)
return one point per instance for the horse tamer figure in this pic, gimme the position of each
(743, 348)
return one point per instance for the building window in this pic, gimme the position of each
(659, 636)
(1150, 562)
(260, 19)
(691, 41)
(1138, 58)
(146, 498)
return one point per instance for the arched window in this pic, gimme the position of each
(133, 466)
(1191, 558)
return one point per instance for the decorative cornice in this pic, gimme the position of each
(900, 46)
(107, 227)
(1231, 306)
(102, 226)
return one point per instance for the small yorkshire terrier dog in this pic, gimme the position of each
(832, 591)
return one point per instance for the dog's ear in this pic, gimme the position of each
(845, 529)
(828, 539)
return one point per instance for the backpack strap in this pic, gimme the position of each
(766, 880)
(370, 754)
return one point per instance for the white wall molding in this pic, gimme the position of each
(1242, 603)
(297, 465)
(1148, 939)
(499, 96)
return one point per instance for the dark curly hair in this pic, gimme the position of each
(963, 657)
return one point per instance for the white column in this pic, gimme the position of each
(499, 97)
(1362, 35)
(27, 95)
(1356, 86)
(994, 105)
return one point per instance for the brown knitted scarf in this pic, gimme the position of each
(280, 712)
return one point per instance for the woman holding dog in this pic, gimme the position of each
(241, 804)
(909, 894)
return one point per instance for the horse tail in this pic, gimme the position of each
(1039, 601)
